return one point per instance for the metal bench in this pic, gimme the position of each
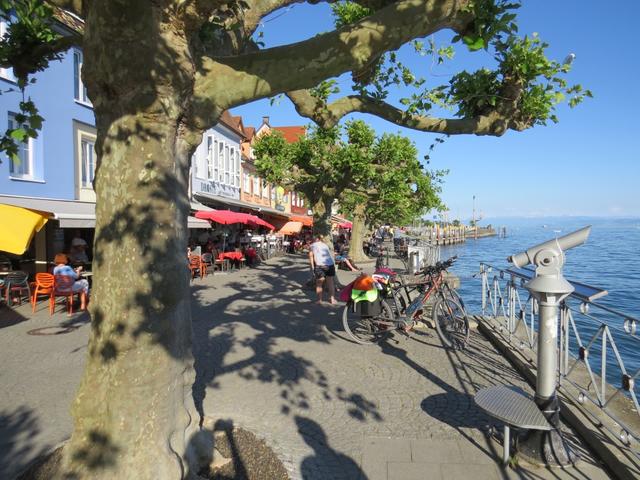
(515, 408)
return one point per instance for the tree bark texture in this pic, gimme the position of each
(322, 218)
(133, 409)
(357, 235)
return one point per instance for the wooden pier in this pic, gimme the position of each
(447, 235)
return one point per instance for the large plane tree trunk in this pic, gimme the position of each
(322, 218)
(133, 409)
(358, 233)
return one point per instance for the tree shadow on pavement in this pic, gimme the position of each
(10, 317)
(18, 429)
(454, 407)
(248, 324)
(263, 327)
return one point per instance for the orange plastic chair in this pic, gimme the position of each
(63, 287)
(43, 286)
(195, 265)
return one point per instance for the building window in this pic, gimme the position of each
(265, 193)
(238, 168)
(226, 164)
(232, 166)
(88, 160)
(256, 186)
(247, 183)
(220, 161)
(285, 198)
(6, 73)
(80, 91)
(210, 158)
(23, 168)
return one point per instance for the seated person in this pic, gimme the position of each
(209, 247)
(251, 255)
(342, 258)
(80, 285)
(78, 251)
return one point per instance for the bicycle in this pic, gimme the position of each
(368, 322)
(406, 289)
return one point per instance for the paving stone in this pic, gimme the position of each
(435, 451)
(413, 471)
(482, 450)
(386, 449)
(374, 469)
(461, 471)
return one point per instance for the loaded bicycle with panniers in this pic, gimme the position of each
(379, 304)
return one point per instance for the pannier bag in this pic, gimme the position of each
(364, 297)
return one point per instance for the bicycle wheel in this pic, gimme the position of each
(451, 322)
(453, 293)
(366, 330)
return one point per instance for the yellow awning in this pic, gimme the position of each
(17, 227)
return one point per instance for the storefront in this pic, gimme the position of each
(67, 222)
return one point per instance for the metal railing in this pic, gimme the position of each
(598, 350)
(427, 252)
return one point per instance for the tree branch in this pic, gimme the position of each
(25, 64)
(495, 122)
(235, 80)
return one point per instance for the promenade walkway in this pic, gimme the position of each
(271, 361)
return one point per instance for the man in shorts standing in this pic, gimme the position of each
(323, 268)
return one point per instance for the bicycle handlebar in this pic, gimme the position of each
(438, 267)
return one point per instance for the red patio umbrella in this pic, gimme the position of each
(346, 225)
(223, 217)
(259, 221)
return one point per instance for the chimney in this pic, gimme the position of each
(265, 120)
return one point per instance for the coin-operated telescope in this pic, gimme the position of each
(548, 258)
(549, 288)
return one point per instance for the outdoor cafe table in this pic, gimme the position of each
(230, 256)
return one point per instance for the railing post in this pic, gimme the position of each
(512, 304)
(603, 373)
(495, 296)
(483, 277)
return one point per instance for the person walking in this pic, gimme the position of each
(323, 268)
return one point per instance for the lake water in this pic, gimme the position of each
(609, 260)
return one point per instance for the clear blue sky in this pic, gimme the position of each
(588, 164)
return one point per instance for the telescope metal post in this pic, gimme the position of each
(548, 448)
(549, 288)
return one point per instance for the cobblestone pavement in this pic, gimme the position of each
(278, 364)
(270, 360)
